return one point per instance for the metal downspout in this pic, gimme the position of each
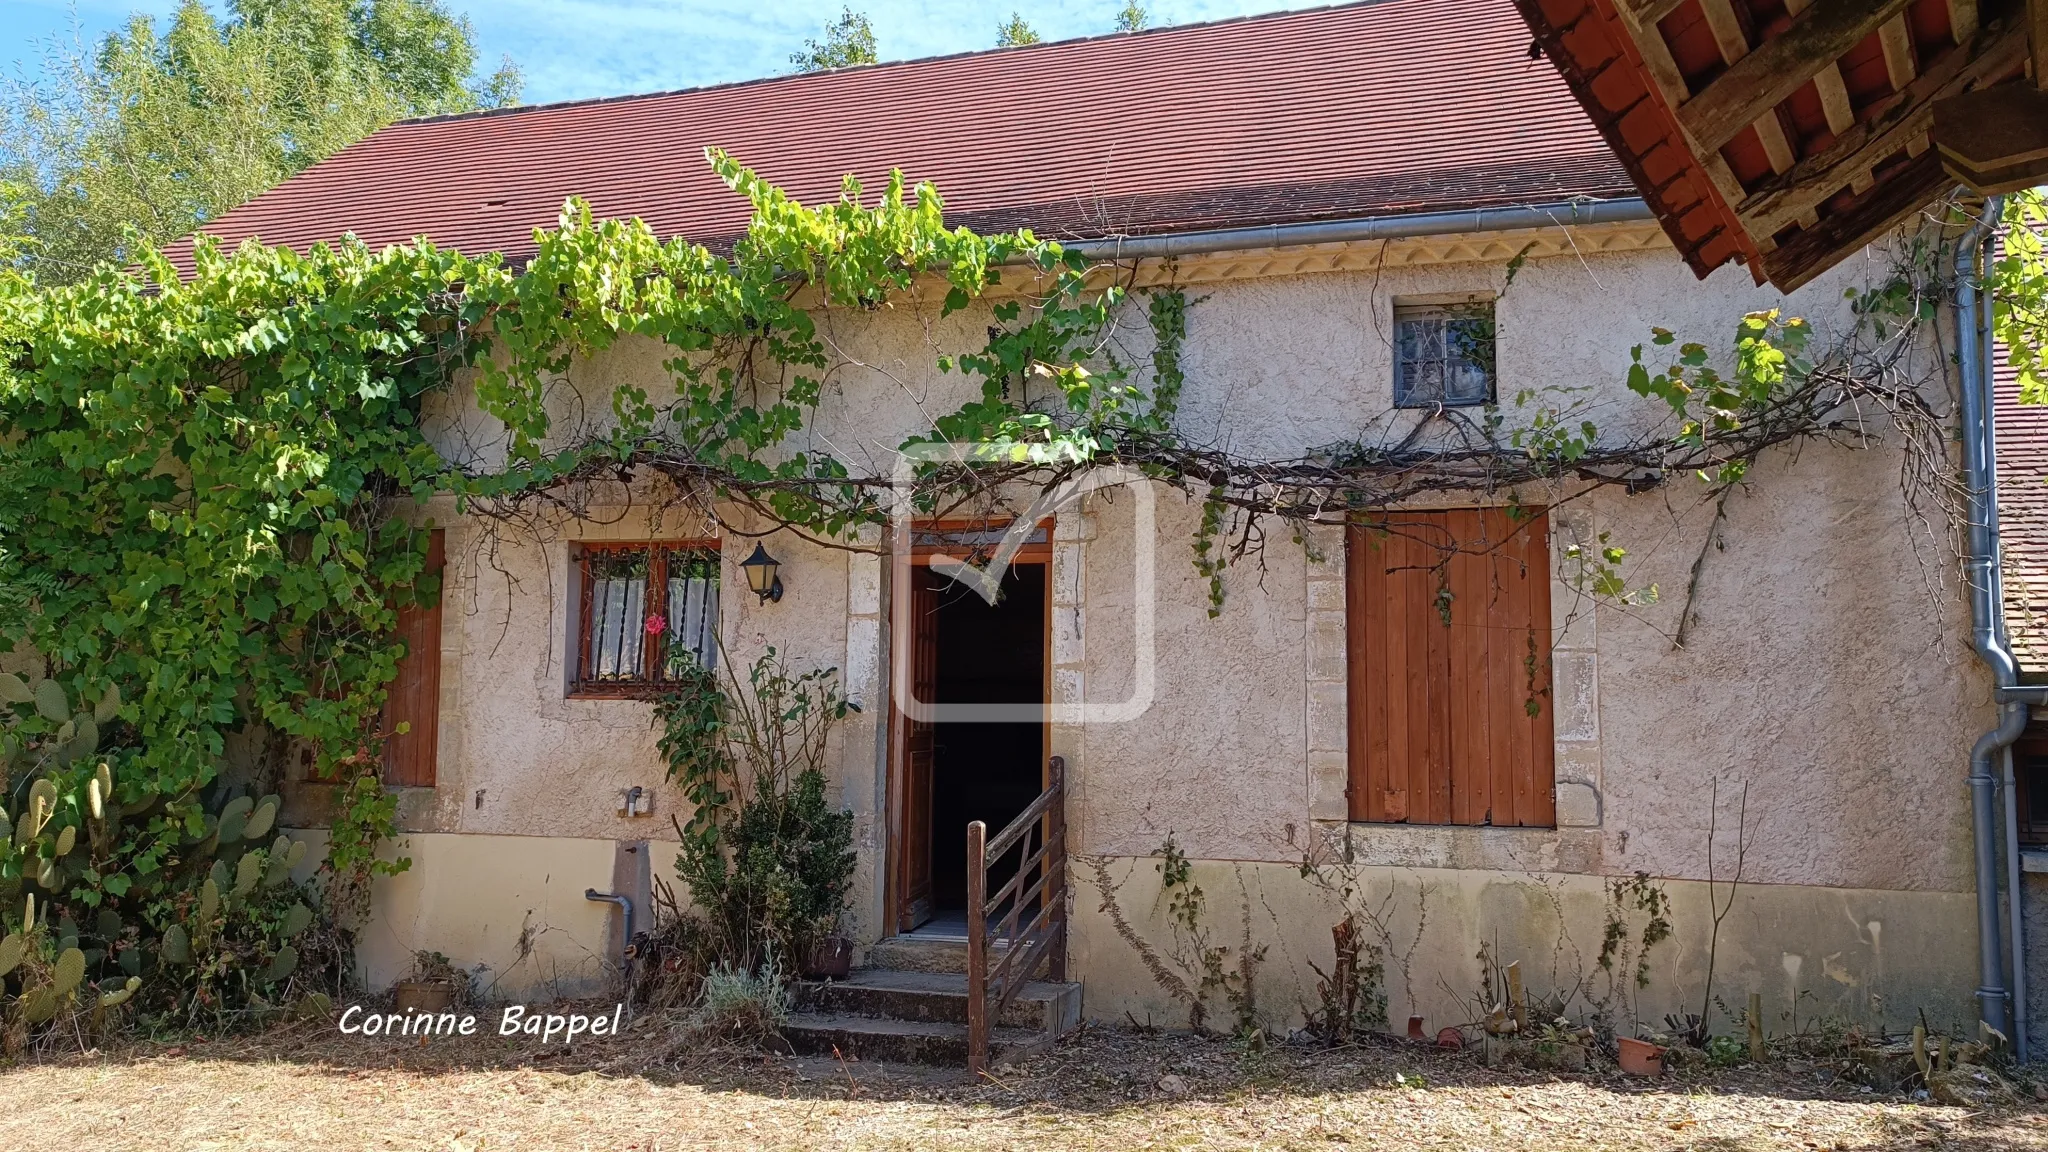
(1988, 635)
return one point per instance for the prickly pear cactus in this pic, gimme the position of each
(70, 972)
(234, 819)
(247, 872)
(209, 895)
(120, 995)
(282, 965)
(177, 946)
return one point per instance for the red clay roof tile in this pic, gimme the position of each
(1390, 107)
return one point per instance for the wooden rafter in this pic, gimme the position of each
(1644, 13)
(1898, 52)
(1962, 19)
(1780, 65)
(1812, 250)
(2037, 20)
(1734, 45)
(1898, 123)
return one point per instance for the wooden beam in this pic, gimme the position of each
(1646, 13)
(1962, 20)
(1995, 139)
(1814, 250)
(1727, 29)
(1816, 37)
(1834, 99)
(2037, 19)
(1895, 124)
(1899, 61)
(1734, 45)
(1828, 83)
(1777, 145)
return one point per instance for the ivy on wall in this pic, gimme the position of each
(203, 480)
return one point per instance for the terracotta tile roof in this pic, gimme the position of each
(1784, 134)
(1367, 109)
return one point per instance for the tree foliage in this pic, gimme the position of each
(2019, 287)
(155, 130)
(1015, 33)
(849, 42)
(1132, 17)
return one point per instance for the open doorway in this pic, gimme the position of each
(959, 649)
(988, 654)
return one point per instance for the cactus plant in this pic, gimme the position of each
(177, 946)
(120, 995)
(261, 819)
(247, 872)
(70, 971)
(234, 819)
(50, 701)
(282, 965)
(296, 920)
(15, 690)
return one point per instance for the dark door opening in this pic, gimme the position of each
(987, 654)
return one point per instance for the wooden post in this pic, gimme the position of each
(1056, 833)
(1515, 1001)
(1756, 1027)
(977, 949)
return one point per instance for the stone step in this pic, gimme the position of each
(939, 998)
(901, 1041)
(930, 953)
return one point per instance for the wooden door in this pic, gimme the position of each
(414, 699)
(919, 749)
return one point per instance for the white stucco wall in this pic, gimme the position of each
(1827, 668)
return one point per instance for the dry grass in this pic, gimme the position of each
(306, 1087)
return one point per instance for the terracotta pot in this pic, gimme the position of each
(1640, 1057)
(1415, 1028)
(831, 958)
(423, 996)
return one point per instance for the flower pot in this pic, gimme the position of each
(1640, 1057)
(831, 958)
(423, 996)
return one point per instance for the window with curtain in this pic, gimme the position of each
(646, 612)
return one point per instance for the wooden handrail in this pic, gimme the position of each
(1042, 876)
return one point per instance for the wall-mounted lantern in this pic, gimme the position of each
(761, 578)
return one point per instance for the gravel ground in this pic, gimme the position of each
(306, 1087)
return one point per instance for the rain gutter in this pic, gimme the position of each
(1553, 214)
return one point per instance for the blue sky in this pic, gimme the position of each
(574, 49)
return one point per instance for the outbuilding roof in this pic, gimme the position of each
(1783, 134)
(1370, 109)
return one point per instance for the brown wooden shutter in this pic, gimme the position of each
(415, 697)
(1450, 721)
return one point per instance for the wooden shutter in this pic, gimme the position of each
(415, 697)
(1449, 669)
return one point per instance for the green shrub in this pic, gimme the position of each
(767, 860)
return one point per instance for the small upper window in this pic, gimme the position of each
(1443, 354)
(647, 612)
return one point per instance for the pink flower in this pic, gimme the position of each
(656, 625)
